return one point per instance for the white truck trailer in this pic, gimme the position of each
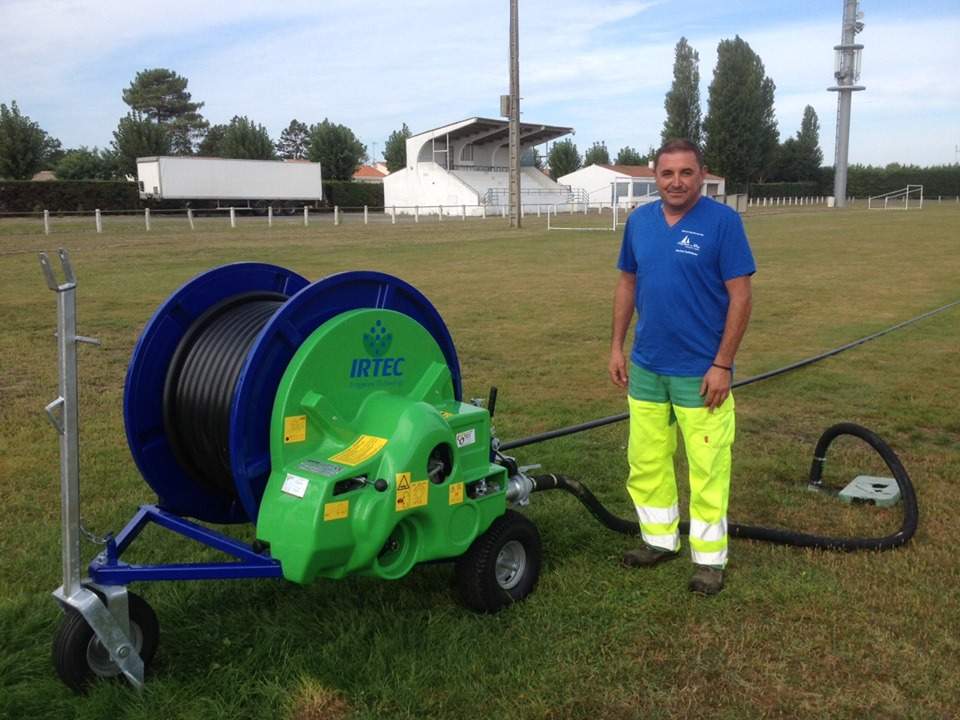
(239, 183)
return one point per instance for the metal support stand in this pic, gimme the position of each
(104, 608)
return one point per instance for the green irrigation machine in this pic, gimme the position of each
(331, 416)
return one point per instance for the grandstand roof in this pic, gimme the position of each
(496, 131)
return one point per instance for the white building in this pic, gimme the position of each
(631, 185)
(464, 168)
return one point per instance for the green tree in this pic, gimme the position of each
(563, 158)
(53, 152)
(22, 144)
(629, 156)
(86, 164)
(799, 158)
(596, 154)
(245, 139)
(135, 137)
(683, 100)
(337, 150)
(395, 149)
(740, 126)
(161, 95)
(212, 143)
(808, 138)
(292, 144)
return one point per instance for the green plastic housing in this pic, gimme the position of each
(364, 412)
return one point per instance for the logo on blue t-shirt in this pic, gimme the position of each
(687, 246)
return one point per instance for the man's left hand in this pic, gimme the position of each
(715, 387)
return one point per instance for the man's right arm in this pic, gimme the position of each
(624, 298)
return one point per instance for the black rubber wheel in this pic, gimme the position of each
(78, 656)
(502, 565)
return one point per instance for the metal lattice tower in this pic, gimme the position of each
(846, 72)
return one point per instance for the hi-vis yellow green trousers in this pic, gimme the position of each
(658, 403)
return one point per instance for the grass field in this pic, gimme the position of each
(796, 634)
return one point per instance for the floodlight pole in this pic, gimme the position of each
(514, 117)
(847, 72)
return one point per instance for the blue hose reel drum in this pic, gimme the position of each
(304, 308)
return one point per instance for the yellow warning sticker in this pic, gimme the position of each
(419, 493)
(411, 494)
(446, 415)
(456, 493)
(336, 510)
(363, 448)
(295, 428)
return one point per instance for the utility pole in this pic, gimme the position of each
(847, 72)
(514, 109)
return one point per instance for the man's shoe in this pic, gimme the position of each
(706, 580)
(647, 556)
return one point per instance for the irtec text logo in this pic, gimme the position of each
(377, 367)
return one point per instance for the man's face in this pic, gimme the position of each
(679, 178)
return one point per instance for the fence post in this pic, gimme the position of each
(586, 205)
(336, 215)
(463, 212)
(416, 213)
(146, 218)
(306, 215)
(46, 222)
(233, 217)
(538, 209)
(269, 215)
(483, 210)
(99, 221)
(365, 218)
(393, 215)
(439, 213)
(190, 217)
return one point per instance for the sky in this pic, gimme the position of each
(602, 68)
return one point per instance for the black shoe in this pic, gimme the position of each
(706, 580)
(647, 556)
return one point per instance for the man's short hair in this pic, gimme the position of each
(679, 145)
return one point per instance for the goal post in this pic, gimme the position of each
(908, 198)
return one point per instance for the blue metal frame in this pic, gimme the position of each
(107, 569)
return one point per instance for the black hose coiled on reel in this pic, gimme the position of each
(200, 383)
(782, 537)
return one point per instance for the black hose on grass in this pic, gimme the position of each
(781, 537)
(611, 419)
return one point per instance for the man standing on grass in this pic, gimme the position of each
(685, 265)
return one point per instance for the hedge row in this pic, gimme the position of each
(65, 195)
(25, 196)
(866, 180)
(352, 194)
(785, 189)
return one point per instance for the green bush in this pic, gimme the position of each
(346, 194)
(867, 180)
(67, 195)
(784, 189)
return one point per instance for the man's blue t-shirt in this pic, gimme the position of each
(681, 297)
